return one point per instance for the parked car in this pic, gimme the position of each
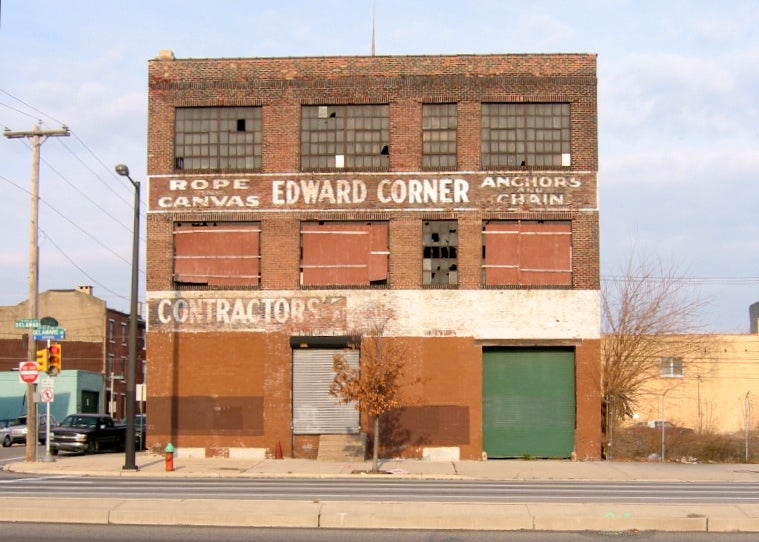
(87, 434)
(16, 431)
(140, 430)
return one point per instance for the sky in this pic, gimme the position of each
(678, 99)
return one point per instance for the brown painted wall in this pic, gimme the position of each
(233, 390)
(588, 399)
(220, 390)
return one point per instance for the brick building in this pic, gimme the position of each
(96, 341)
(289, 198)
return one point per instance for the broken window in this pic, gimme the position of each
(344, 253)
(527, 253)
(439, 136)
(354, 137)
(440, 239)
(217, 139)
(220, 254)
(533, 135)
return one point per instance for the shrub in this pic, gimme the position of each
(642, 443)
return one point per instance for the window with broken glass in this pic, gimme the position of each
(439, 265)
(354, 137)
(439, 136)
(529, 135)
(217, 139)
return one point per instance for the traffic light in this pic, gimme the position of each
(54, 359)
(43, 360)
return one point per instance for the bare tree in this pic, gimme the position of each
(648, 313)
(375, 385)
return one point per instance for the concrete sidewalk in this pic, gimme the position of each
(389, 515)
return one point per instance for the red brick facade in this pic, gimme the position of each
(220, 360)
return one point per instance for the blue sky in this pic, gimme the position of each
(678, 92)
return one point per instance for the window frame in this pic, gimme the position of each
(671, 367)
(439, 133)
(345, 137)
(533, 135)
(208, 133)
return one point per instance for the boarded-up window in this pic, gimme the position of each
(217, 253)
(344, 253)
(529, 253)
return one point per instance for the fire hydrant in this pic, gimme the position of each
(169, 451)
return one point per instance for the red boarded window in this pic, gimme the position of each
(344, 253)
(217, 253)
(527, 253)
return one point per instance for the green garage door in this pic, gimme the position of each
(528, 402)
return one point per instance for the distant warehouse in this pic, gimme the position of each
(289, 198)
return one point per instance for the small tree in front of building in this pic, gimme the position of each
(375, 385)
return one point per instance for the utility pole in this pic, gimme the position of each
(36, 137)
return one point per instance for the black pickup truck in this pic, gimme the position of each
(88, 434)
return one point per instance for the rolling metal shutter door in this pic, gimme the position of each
(528, 402)
(315, 411)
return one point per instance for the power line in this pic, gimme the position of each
(63, 253)
(725, 281)
(30, 107)
(77, 226)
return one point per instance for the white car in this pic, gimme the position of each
(15, 433)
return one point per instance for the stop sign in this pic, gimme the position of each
(27, 372)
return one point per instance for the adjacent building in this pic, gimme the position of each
(96, 341)
(714, 390)
(293, 199)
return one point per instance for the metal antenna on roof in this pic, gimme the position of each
(373, 13)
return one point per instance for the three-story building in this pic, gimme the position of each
(290, 199)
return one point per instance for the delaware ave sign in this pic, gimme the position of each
(513, 191)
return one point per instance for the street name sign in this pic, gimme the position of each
(48, 333)
(25, 324)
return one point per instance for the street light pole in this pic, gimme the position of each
(129, 462)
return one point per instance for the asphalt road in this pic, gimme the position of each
(35, 532)
(430, 491)
(15, 453)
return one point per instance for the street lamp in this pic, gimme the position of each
(129, 463)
